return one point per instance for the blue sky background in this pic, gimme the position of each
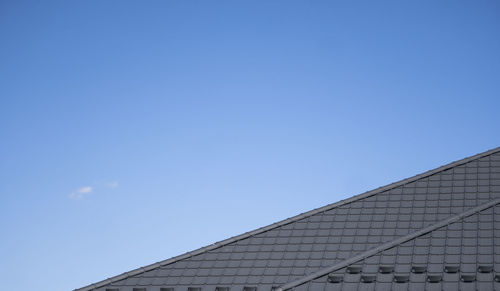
(134, 131)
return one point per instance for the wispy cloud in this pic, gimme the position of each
(81, 192)
(112, 185)
(84, 190)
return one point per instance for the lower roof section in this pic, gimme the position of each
(460, 254)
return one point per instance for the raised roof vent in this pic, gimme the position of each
(194, 289)
(167, 289)
(386, 269)
(221, 288)
(368, 278)
(418, 269)
(451, 269)
(335, 278)
(401, 278)
(485, 269)
(468, 278)
(354, 269)
(434, 278)
(249, 288)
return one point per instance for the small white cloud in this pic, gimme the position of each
(112, 185)
(80, 193)
(84, 190)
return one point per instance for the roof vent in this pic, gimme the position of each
(434, 278)
(194, 289)
(485, 269)
(497, 278)
(167, 289)
(139, 289)
(368, 278)
(335, 278)
(354, 269)
(418, 269)
(401, 278)
(468, 278)
(451, 269)
(249, 288)
(386, 269)
(221, 288)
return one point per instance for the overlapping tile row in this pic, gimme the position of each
(291, 251)
(464, 255)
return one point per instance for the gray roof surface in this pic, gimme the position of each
(447, 216)
(462, 255)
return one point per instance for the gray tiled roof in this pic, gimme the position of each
(449, 210)
(462, 255)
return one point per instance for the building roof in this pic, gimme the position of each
(437, 230)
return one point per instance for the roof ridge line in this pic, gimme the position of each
(285, 221)
(389, 245)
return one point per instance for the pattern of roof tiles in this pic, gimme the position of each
(297, 248)
(461, 256)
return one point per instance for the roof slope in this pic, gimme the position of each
(291, 250)
(461, 253)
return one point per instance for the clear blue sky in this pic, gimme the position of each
(134, 131)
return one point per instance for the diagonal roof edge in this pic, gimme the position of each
(389, 245)
(284, 222)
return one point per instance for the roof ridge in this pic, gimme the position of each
(389, 244)
(285, 221)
